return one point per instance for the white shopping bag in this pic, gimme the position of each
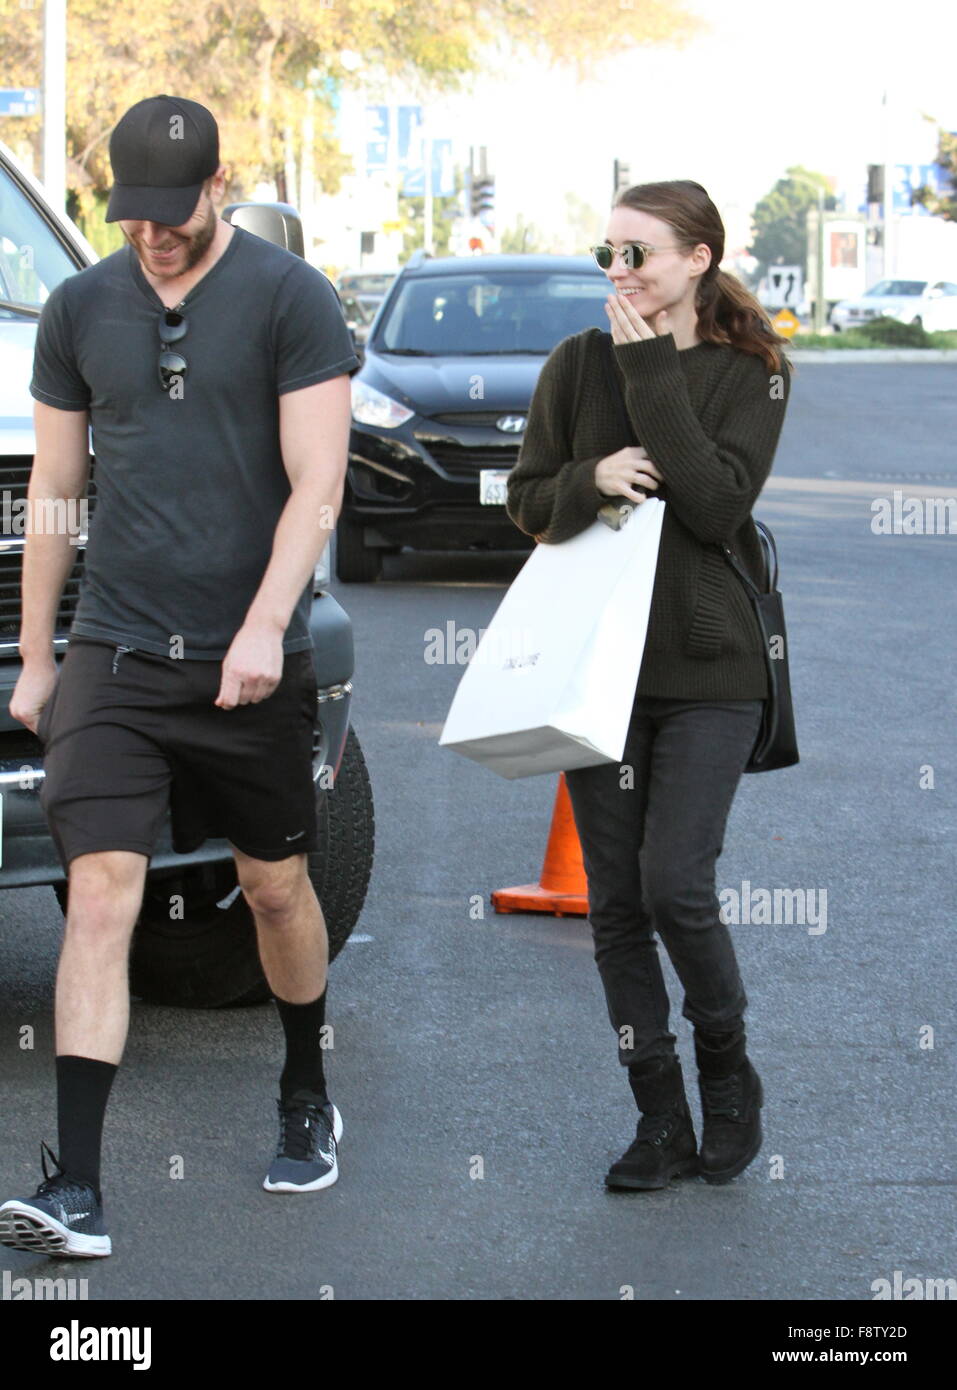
(552, 682)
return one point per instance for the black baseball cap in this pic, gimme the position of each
(162, 151)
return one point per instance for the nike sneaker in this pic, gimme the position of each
(306, 1159)
(63, 1217)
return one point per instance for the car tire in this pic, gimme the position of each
(356, 563)
(208, 958)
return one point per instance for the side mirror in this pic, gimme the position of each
(935, 293)
(279, 223)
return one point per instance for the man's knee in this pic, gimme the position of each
(105, 890)
(273, 890)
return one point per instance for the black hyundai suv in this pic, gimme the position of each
(441, 400)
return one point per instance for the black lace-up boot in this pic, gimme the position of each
(664, 1146)
(731, 1100)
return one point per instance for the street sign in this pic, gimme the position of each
(785, 323)
(443, 172)
(785, 287)
(19, 101)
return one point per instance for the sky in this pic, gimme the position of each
(764, 89)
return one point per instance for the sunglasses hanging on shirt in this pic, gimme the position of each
(172, 365)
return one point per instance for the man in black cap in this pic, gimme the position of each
(214, 369)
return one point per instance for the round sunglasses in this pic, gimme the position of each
(633, 254)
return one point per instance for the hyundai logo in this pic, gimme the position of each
(510, 424)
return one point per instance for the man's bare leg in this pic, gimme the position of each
(65, 1216)
(294, 950)
(92, 987)
(290, 927)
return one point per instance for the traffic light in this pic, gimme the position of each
(622, 176)
(875, 183)
(483, 198)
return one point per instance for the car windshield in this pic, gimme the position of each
(32, 259)
(897, 287)
(486, 314)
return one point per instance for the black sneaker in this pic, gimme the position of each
(309, 1135)
(63, 1217)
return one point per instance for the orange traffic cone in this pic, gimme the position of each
(562, 889)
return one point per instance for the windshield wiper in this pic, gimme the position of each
(405, 352)
(30, 310)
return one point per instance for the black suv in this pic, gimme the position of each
(205, 953)
(441, 400)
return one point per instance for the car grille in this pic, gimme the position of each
(467, 460)
(14, 479)
(478, 419)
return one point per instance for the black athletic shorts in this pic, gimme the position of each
(128, 735)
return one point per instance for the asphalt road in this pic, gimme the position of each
(459, 1040)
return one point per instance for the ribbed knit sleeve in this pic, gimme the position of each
(713, 482)
(550, 495)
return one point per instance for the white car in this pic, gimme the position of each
(930, 303)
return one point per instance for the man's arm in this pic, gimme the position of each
(61, 469)
(314, 426)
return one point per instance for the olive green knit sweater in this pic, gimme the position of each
(709, 417)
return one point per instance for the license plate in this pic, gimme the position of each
(492, 486)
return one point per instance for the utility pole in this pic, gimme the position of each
(428, 230)
(54, 102)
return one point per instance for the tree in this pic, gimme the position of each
(254, 62)
(942, 205)
(444, 213)
(780, 219)
(522, 238)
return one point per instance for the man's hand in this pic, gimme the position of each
(624, 473)
(32, 690)
(252, 668)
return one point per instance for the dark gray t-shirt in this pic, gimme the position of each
(189, 490)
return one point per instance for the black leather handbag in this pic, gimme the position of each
(776, 743)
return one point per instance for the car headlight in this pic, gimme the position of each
(372, 407)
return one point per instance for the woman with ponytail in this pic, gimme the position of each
(705, 385)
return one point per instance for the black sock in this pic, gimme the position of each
(302, 1025)
(83, 1088)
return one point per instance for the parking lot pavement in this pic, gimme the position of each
(473, 1062)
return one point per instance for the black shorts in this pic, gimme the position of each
(128, 735)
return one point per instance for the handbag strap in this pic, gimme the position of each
(770, 561)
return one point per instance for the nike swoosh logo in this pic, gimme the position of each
(296, 837)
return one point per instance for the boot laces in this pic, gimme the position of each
(724, 1094)
(654, 1129)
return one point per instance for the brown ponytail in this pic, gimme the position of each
(727, 311)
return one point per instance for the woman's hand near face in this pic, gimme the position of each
(627, 325)
(623, 473)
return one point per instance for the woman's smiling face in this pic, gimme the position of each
(668, 276)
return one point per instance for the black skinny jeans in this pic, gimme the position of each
(650, 852)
